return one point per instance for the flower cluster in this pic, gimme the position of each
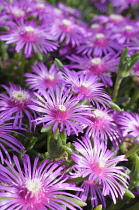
(71, 74)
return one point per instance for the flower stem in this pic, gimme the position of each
(116, 87)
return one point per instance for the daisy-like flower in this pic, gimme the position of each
(96, 66)
(43, 78)
(6, 139)
(30, 37)
(17, 9)
(103, 126)
(86, 87)
(40, 186)
(98, 44)
(98, 165)
(127, 33)
(17, 103)
(61, 110)
(129, 124)
(66, 29)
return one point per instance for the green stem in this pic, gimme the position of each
(132, 151)
(116, 87)
(134, 98)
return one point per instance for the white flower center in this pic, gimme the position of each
(66, 22)
(29, 29)
(33, 185)
(101, 164)
(96, 61)
(40, 5)
(116, 17)
(95, 26)
(51, 77)
(84, 84)
(58, 11)
(62, 108)
(99, 113)
(100, 36)
(19, 96)
(18, 12)
(128, 28)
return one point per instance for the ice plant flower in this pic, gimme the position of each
(103, 126)
(99, 165)
(17, 103)
(96, 66)
(17, 9)
(30, 37)
(40, 186)
(128, 124)
(87, 87)
(66, 29)
(98, 44)
(42, 78)
(6, 139)
(60, 109)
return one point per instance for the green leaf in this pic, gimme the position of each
(46, 129)
(74, 200)
(129, 194)
(58, 63)
(123, 55)
(98, 207)
(67, 149)
(114, 106)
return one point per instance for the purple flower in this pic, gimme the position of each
(17, 103)
(87, 87)
(43, 78)
(61, 110)
(30, 37)
(98, 44)
(6, 139)
(103, 126)
(66, 29)
(35, 187)
(98, 165)
(96, 66)
(17, 9)
(129, 124)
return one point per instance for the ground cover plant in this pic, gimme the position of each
(69, 93)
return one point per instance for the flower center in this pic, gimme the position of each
(84, 84)
(33, 185)
(128, 28)
(100, 36)
(116, 17)
(99, 113)
(62, 108)
(19, 96)
(66, 22)
(29, 29)
(40, 5)
(51, 77)
(95, 26)
(96, 61)
(18, 12)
